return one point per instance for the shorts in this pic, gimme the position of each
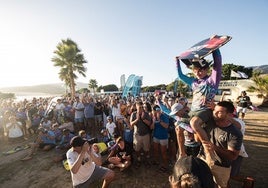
(192, 150)
(98, 173)
(162, 142)
(206, 116)
(221, 175)
(141, 142)
(78, 120)
(98, 118)
(236, 164)
(241, 109)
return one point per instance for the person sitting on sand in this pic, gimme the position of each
(65, 140)
(46, 123)
(57, 131)
(83, 134)
(45, 141)
(96, 151)
(68, 124)
(14, 129)
(120, 156)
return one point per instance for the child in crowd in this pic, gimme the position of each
(35, 122)
(14, 129)
(65, 140)
(120, 156)
(57, 131)
(204, 87)
(84, 135)
(68, 124)
(110, 127)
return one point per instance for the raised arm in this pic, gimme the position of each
(217, 67)
(187, 80)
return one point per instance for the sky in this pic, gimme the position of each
(117, 37)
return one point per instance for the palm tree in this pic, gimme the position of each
(93, 84)
(261, 85)
(71, 61)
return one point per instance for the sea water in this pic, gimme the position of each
(29, 96)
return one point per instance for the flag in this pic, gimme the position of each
(242, 74)
(122, 80)
(235, 74)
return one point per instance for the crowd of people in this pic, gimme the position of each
(138, 131)
(203, 143)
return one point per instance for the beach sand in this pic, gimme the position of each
(42, 172)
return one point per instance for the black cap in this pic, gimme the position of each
(77, 141)
(201, 63)
(195, 166)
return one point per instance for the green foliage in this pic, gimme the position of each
(153, 88)
(170, 87)
(83, 90)
(70, 60)
(111, 87)
(7, 95)
(226, 70)
(183, 89)
(148, 89)
(261, 84)
(93, 84)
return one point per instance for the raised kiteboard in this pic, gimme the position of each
(203, 48)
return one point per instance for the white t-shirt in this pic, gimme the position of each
(78, 113)
(116, 112)
(14, 130)
(111, 127)
(59, 106)
(46, 124)
(242, 152)
(85, 171)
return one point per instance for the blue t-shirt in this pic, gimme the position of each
(89, 110)
(159, 131)
(47, 140)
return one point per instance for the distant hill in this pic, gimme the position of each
(53, 89)
(263, 69)
(59, 88)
